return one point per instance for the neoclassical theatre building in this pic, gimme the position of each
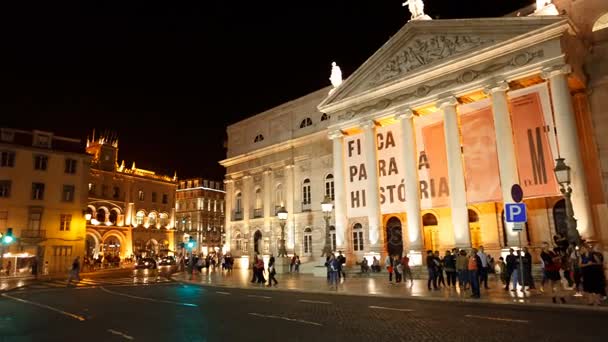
(419, 147)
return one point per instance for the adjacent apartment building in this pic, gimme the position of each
(43, 195)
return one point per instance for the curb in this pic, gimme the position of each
(567, 307)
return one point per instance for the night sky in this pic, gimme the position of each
(168, 76)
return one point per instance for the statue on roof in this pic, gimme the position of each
(416, 8)
(545, 7)
(336, 75)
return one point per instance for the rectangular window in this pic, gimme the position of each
(65, 222)
(34, 220)
(329, 189)
(3, 220)
(306, 194)
(116, 192)
(358, 241)
(70, 166)
(307, 244)
(38, 191)
(104, 190)
(7, 159)
(62, 250)
(5, 188)
(40, 162)
(68, 193)
(154, 197)
(165, 198)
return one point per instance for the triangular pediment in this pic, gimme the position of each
(423, 45)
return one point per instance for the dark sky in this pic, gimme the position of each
(168, 76)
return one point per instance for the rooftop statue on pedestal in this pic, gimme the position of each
(336, 76)
(416, 7)
(545, 7)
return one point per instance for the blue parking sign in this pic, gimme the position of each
(515, 212)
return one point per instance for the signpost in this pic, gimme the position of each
(516, 214)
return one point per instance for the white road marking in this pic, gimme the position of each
(286, 319)
(313, 301)
(80, 318)
(392, 309)
(146, 298)
(498, 319)
(115, 332)
(222, 292)
(256, 296)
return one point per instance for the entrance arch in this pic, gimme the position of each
(474, 229)
(559, 217)
(394, 236)
(152, 248)
(430, 229)
(112, 246)
(91, 246)
(257, 242)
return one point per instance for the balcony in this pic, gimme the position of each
(306, 206)
(33, 234)
(237, 215)
(257, 213)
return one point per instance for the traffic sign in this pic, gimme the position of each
(518, 226)
(515, 212)
(517, 193)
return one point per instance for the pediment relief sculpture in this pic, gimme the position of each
(424, 51)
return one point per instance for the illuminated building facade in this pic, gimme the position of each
(199, 205)
(427, 137)
(132, 210)
(43, 193)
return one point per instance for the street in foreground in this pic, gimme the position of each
(119, 309)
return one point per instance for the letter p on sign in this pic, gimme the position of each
(515, 212)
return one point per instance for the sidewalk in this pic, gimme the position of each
(379, 286)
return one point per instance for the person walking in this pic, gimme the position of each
(483, 271)
(397, 268)
(431, 267)
(462, 262)
(260, 269)
(271, 272)
(511, 264)
(439, 269)
(333, 271)
(551, 261)
(254, 268)
(74, 271)
(341, 264)
(407, 271)
(528, 278)
(593, 284)
(474, 265)
(297, 264)
(388, 263)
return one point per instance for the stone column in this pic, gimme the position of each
(290, 205)
(339, 189)
(246, 198)
(130, 213)
(412, 185)
(569, 147)
(228, 197)
(372, 192)
(268, 213)
(505, 149)
(458, 196)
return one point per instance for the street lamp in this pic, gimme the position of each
(562, 173)
(282, 216)
(87, 215)
(327, 206)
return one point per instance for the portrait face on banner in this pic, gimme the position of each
(432, 161)
(482, 177)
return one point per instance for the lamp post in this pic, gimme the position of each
(282, 216)
(327, 206)
(562, 173)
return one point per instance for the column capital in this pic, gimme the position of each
(267, 171)
(406, 114)
(367, 124)
(555, 70)
(337, 134)
(496, 86)
(228, 181)
(447, 101)
(246, 176)
(289, 166)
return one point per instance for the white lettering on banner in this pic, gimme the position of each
(390, 177)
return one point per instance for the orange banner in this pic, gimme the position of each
(433, 168)
(480, 157)
(535, 161)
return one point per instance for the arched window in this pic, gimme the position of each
(139, 218)
(429, 220)
(601, 23)
(431, 232)
(306, 191)
(324, 117)
(306, 122)
(332, 237)
(115, 192)
(278, 196)
(307, 241)
(238, 202)
(101, 215)
(164, 220)
(258, 198)
(258, 138)
(113, 216)
(358, 237)
(152, 219)
(329, 186)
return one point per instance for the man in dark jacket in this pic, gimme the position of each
(511, 265)
(341, 259)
